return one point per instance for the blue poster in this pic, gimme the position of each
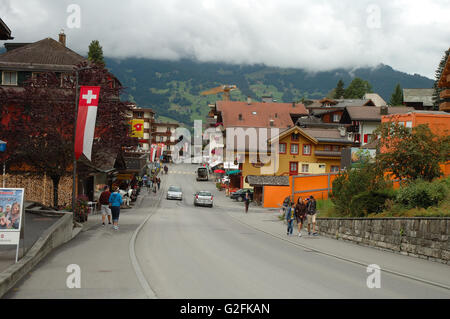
(11, 204)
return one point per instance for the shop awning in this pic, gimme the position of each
(233, 172)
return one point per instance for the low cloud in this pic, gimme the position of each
(411, 36)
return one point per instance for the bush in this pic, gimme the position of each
(423, 194)
(370, 202)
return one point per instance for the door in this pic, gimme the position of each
(293, 168)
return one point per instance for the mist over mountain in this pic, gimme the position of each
(172, 88)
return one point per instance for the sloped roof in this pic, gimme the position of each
(267, 180)
(259, 114)
(424, 96)
(376, 99)
(5, 32)
(46, 54)
(327, 135)
(372, 113)
(353, 102)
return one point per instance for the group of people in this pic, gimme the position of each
(10, 216)
(153, 184)
(301, 211)
(110, 206)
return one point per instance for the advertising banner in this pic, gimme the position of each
(137, 128)
(11, 211)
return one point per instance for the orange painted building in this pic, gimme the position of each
(439, 122)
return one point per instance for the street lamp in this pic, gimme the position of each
(74, 135)
(3, 149)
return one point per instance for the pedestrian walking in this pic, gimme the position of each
(104, 205)
(158, 181)
(145, 180)
(116, 201)
(300, 215)
(247, 200)
(311, 215)
(290, 216)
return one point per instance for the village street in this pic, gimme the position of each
(184, 251)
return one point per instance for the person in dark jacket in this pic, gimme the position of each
(116, 201)
(247, 201)
(311, 212)
(290, 217)
(300, 215)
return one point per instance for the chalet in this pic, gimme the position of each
(330, 111)
(163, 134)
(419, 99)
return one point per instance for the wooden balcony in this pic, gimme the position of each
(445, 94)
(327, 154)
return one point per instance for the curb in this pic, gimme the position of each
(59, 233)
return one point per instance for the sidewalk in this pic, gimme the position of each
(34, 226)
(269, 223)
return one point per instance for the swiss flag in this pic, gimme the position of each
(87, 116)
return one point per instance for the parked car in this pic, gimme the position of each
(203, 198)
(174, 192)
(240, 195)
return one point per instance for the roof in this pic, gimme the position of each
(372, 113)
(424, 96)
(353, 102)
(267, 180)
(5, 32)
(259, 114)
(372, 145)
(328, 135)
(46, 54)
(376, 99)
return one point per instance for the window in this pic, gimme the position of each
(336, 148)
(409, 124)
(334, 169)
(295, 137)
(305, 168)
(366, 138)
(293, 168)
(357, 138)
(294, 149)
(336, 118)
(282, 148)
(306, 149)
(327, 147)
(9, 78)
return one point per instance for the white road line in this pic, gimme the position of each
(135, 263)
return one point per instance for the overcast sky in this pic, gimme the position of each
(410, 36)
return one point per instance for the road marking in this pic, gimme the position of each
(392, 272)
(135, 263)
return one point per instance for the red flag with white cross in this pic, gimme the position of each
(87, 116)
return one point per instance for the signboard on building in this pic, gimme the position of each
(11, 211)
(137, 128)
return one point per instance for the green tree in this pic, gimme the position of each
(95, 54)
(438, 73)
(411, 154)
(357, 88)
(339, 91)
(397, 96)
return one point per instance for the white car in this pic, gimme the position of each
(174, 192)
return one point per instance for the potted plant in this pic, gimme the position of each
(81, 209)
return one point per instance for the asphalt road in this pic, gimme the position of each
(191, 252)
(194, 252)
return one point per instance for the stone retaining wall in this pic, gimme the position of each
(426, 238)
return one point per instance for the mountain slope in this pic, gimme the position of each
(172, 88)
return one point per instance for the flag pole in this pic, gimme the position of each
(74, 156)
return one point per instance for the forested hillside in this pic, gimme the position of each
(173, 88)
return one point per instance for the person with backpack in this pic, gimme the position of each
(311, 212)
(300, 215)
(290, 216)
(116, 201)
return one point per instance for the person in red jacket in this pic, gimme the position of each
(104, 202)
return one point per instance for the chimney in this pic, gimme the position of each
(384, 110)
(62, 38)
(249, 100)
